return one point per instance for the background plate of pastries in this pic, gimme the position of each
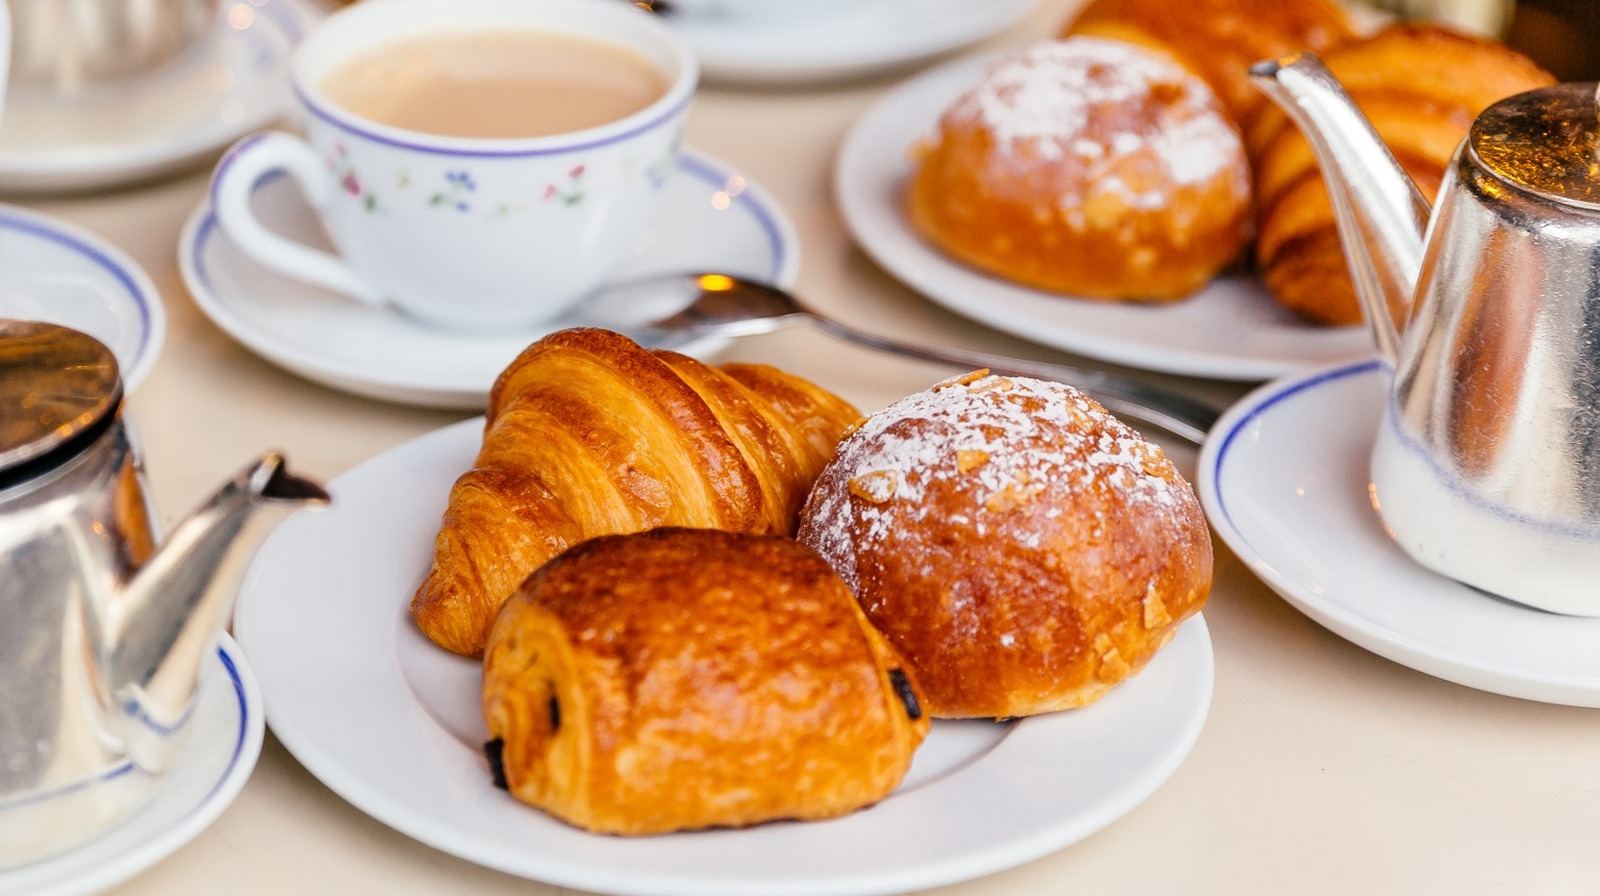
(653, 626)
(1126, 193)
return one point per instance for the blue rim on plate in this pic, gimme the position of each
(130, 296)
(228, 718)
(1252, 407)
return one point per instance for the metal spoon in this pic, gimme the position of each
(722, 304)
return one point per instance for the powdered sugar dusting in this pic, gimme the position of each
(1008, 443)
(1096, 101)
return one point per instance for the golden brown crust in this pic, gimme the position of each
(688, 678)
(1021, 548)
(589, 434)
(1086, 167)
(1421, 86)
(1220, 39)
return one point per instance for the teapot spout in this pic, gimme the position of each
(1382, 216)
(167, 617)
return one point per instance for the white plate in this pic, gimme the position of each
(235, 84)
(1232, 329)
(222, 750)
(53, 271)
(391, 723)
(848, 42)
(710, 218)
(1284, 478)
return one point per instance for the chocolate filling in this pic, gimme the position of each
(907, 694)
(495, 750)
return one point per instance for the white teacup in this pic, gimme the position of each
(469, 233)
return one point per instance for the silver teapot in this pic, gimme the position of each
(65, 47)
(103, 629)
(1486, 465)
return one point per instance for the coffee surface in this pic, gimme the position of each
(495, 84)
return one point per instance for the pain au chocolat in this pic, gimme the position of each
(1023, 549)
(679, 679)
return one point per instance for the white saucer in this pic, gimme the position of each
(1283, 478)
(236, 84)
(849, 42)
(391, 723)
(710, 219)
(222, 750)
(53, 271)
(1233, 329)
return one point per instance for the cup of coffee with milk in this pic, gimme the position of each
(477, 164)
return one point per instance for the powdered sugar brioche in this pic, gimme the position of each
(1219, 39)
(1022, 548)
(1088, 167)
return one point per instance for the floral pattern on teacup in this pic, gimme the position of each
(570, 191)
(460, 187)
(456, 191)
(339, 165)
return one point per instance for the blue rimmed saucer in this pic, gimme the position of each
(53, 271)
(229, 726)
(710, 218)
(1284, 480)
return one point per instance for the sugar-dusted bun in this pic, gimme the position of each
(689, 678)
(1087, 167)
(1023, 549)
(1220, 39)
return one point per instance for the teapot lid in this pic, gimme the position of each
(58, 388)
(1546, 141)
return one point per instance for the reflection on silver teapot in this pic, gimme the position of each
(104, 628)
(67, 46)
(1486, 467)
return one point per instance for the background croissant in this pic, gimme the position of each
(1421, 86)
(589, 434)
(1220, 39)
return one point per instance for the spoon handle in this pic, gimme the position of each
(1178, 414)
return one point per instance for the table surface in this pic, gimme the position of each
(1322, 768)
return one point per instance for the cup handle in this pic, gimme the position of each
(235, 179)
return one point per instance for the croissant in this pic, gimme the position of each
(686, 678)
(1219, 39)
(1421, 86)
(589, 434)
